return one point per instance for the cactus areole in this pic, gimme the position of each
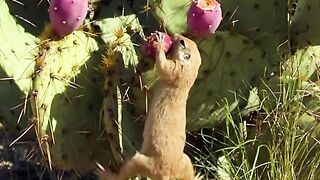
(204, 17)
(67, 15)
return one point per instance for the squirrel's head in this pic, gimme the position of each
(187, 59)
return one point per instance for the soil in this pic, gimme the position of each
(21, 162)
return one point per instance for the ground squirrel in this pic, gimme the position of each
(161, 156)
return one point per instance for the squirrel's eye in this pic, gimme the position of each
(182, 44)
(186, 56)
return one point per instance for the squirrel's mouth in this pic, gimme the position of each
(177, 51)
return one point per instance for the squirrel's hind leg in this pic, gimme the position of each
(139, 164)
(185, 170)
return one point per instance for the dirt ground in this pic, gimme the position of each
(19, 162)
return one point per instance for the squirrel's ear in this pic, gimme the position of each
(183, 44)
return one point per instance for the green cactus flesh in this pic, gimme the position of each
(118, 66)
(303, 64)
(79, 141)
(108, 113)
(140, 8)
(308, 122)
(87, 98)
(56, 64)
(305, 25)
(299, 68)
(45, 74)
(30, 15)
(231, 66)
(171, 14)
(270, 34)
(17, 49)
(60, 115)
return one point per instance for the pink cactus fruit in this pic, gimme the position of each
(149, 47)
(204, 17)
(67, 15)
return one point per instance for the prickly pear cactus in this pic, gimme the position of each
(301, 67)
(78, 133)
(307, 121)
(45, 75)
(231, 66)
(119, 68)
(305, 29)
(56, 69)
(265, 22)
(303, 64)
(140, 8)
(30, 15)
(16, 67)
(85, 95)
(172, 15)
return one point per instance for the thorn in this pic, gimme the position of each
(64, 22)
(20, 115)
(18, 2)
(100, 167)
(55, 8)
(193, 14)
(32, 153)
(51, 131)
(39, 2)
(78, 18)
(18, 138)
(25, 20)
(24, 109)
(42, 175)
(61, 176)
(6, 79)
(45, 148)
(26, 99)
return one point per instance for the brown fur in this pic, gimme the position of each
(161, 156)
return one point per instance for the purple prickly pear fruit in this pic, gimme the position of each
(204, 17)
(67, 15)
(149, 46)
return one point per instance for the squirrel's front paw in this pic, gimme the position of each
(159, 43)
(160, 37)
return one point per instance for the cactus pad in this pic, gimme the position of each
(305, 25)
(171, 14)
(57, 65)
(264, 22)
(303, 64)
(120, 59)
(17, 49)
(231, 66)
